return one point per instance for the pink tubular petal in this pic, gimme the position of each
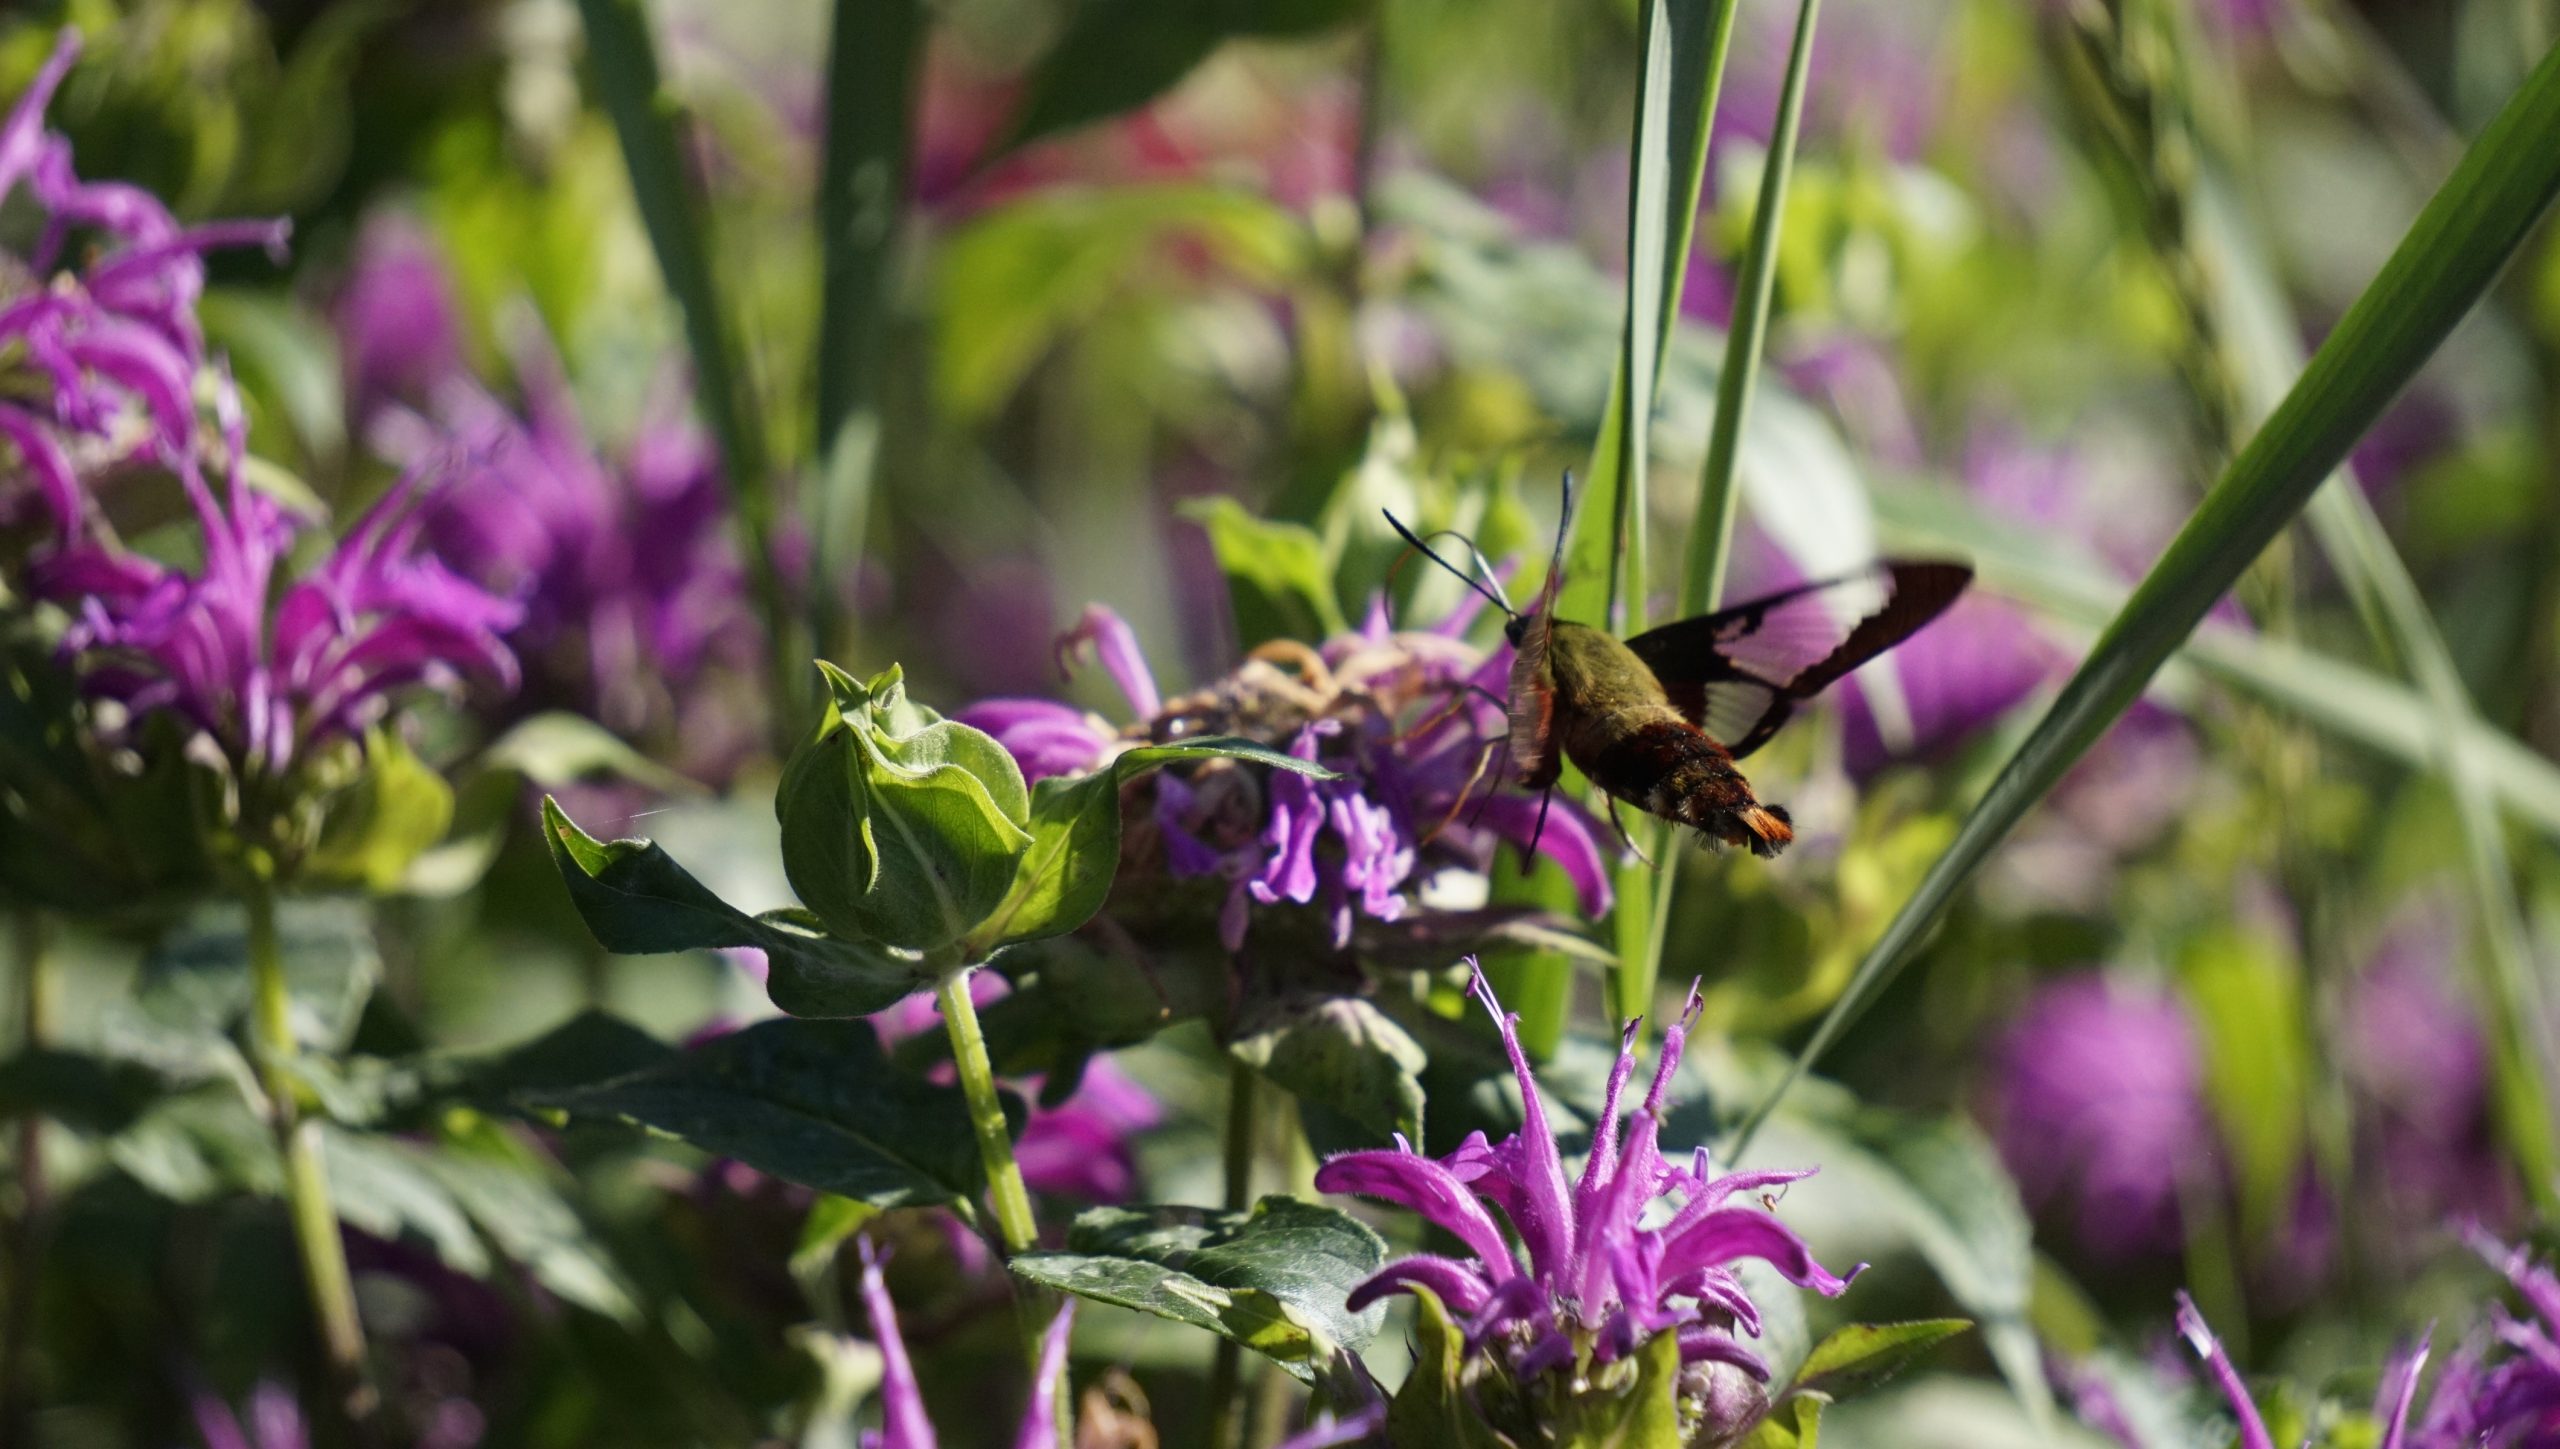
(1459, 1286)
(46, 465)
(2400, 1391)
(22, 134)
(2199, 1336)
(1545, 1219)
(1604, 1133)
(1674, 1042)
(1040, 1416)
(1567, 840)
(903, 1424)
(1731, 1233)
(1711, 1345)
(1116, 645)
(1411, 1180)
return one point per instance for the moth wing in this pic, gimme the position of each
(1740, 672)
(1533, 707)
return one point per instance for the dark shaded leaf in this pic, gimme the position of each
(638, 901)
(1342, 1053)
(1274, 1280)
(812, 1102)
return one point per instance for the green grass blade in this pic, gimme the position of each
(624, 61)
(1711, 536)
(1711, 530)
(2345, 700)
(2466, 234)
(871, 86)
(1686, 42)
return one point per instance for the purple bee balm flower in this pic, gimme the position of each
(275, 1420)
(633, 588)
(399, 326)
(376, 617)
(903, 1423)
(2502, 1391)
(104, 331)
(1605, 1272)
(2097, 1101)
(1410, 720)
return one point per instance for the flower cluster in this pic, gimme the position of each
(2098, 1103)
(632, 585)
(1605, 1273)
(2501, 1391)
(211, 644)
(102, 316)
(377, 616)
(1408, 719)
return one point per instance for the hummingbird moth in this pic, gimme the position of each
(1659, 720)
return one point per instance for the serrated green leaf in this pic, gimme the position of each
(1066, 872)
(812, 1102)
(1274, 1280)
(1863, 1355)
(1342, 1053)
(638, 901)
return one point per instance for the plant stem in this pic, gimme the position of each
(306, 1178)
(1226, 1363)
(27, 1230)
(1006, 1195)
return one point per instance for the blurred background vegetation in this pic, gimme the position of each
(1169, 328)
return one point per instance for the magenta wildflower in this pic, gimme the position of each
(105, 329)
(275, 1420)
(1405, 717)
(903, 1423)
(1599, 1279)
(2097, 1101)
(2502, 1391)
(376, 617)
(398, 322)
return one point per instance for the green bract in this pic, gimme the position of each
(900, 826)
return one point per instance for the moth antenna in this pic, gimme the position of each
(1555, 563)
(1491, 596)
